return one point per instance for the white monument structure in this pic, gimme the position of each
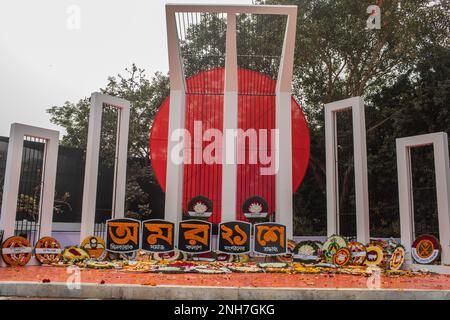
(356, 104)
(174, 173)
(98, 101)
(17, 135)
(439, 141)
(283, 149)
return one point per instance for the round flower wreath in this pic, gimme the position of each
(200, 204)
(307, 252)
(255, 204)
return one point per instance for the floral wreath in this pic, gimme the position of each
(200, 205)
(255, 205)
(307, 252)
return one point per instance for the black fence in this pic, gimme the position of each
(70, 179)
(100, 230)
(69, 186)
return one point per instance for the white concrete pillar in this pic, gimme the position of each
(283, 153)
(441, 161)
(174, 174)
(98, 101)
(283, 117)
(361, 180)
(332, 184)
(91, 170)
(121, 157)
(356, 104)
(230, 122)
(283, 147)
(439, 141)
(49, 183)
(12, 177)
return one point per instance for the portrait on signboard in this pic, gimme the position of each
(95, 246)
(194, 236)
(270, 238)
(158, 235)
(122, 235)
(234, 237)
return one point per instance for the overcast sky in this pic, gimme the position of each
(47, 57)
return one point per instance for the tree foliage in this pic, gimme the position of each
(145, 95)
(416, 103)
(336, 58)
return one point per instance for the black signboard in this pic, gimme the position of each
(157, 235)
(194, 236)
(270, 238)
(122, 235)
(234, 237)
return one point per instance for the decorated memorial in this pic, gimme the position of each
(337, 255)
(227, 216)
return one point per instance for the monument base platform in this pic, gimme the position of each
(57, 282)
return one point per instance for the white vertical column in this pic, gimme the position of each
(360, 167)
(174, 173)
(283, 147)
(442, 173)
(11, 184)
(91, 168)
(49, 180)
(120, 172)
(405, 197)
(439, 141)
(331, 176)
(12, 177)
(230, 121)
(356, 104)
(98, 100)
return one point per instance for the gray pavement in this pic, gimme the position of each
(16, 290)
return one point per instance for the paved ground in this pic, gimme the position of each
(61, 275)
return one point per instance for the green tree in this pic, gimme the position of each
(416, 103)
(145, 95)
(337, 57)
(203, 42)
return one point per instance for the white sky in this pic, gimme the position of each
(44, 63)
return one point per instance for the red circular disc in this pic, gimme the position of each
(425, 249)
(256, 110)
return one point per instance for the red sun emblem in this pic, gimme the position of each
(256, 109)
